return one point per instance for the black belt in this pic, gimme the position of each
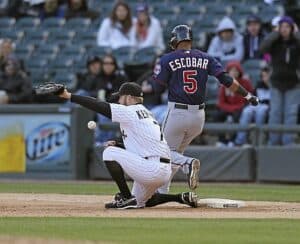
(162, 160)
(185, 106)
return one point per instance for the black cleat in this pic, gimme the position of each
(121, 202)
(193, 175)
(190, 198)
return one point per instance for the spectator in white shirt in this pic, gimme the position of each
(117, 30)
(148, 29)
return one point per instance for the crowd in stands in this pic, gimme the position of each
(122, 42)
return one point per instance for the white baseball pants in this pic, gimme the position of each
(148, 174)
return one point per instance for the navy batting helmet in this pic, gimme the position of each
(180, 33)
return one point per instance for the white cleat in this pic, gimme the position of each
(193, 175)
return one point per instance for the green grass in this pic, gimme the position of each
(259, 192)
(156, 230)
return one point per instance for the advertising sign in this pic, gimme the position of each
(38, 139)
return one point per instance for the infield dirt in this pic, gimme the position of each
(60, 205)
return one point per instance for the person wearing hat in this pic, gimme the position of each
(252, 38)
(87, 82)
(227, 45)
(148, 29)
(284, 47)
(144, 154)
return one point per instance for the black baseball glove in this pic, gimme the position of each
(49, 88)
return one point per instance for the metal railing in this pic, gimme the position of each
(258, 133)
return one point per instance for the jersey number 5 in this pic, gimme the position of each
(190, 83)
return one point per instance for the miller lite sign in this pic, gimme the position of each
(47, 142)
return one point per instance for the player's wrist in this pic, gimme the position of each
(248, 96)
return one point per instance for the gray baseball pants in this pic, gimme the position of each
(180, 127)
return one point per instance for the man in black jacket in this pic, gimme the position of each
(15, 86)
(87, 83)
(253, 38)
(284, 47)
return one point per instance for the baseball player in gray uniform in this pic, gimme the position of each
(185, 72)
(145, 155)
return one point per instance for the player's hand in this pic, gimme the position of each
(146, 87)
(65, 94)
(110, 143)
(253, 100)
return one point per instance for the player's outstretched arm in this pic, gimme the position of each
(88, 102)
(237, 88)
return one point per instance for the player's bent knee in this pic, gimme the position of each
(108, 154)
(112, 153)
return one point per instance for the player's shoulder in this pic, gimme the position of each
(200, 53)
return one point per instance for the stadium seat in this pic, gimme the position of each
(61, 63)
(61, 37)
(48, 48)
(66, 77)
(53, 23)
(73, 50)
(7, 23)
(38, 76)
(166, 12)
(145, 55)
(254, 64)
(87, 38)
(27, 23)
(37, 63)
(123, 55)
(98, 51)
(24, 51)
(78, 24)
(14, 35)
(80, 65)
(36, 36)
(95, 25)
(212, 89)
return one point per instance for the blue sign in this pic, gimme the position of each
(47, 142)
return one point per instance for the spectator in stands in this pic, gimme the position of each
(151, 98)
(284, 48)
(275, 22)
(230, 105)
(51, 8)
(6, 51)
(110, 81)
(111, 77)
(79, 8)
(117, 30)
(15, 86)
(253, 38)
(148, 29)
(259, 113)
(227, 45)
(87, 83)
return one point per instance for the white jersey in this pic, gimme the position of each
(140, 131)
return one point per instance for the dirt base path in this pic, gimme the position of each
(60, 205)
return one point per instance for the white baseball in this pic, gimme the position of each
(91, 125)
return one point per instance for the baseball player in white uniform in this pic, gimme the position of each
(145, 156)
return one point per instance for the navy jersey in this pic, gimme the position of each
(185, 73)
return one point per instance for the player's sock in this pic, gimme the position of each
(117, 174)
(159, 198)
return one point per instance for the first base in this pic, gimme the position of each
(220, 203)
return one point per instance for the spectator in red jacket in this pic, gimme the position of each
(230, 105)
